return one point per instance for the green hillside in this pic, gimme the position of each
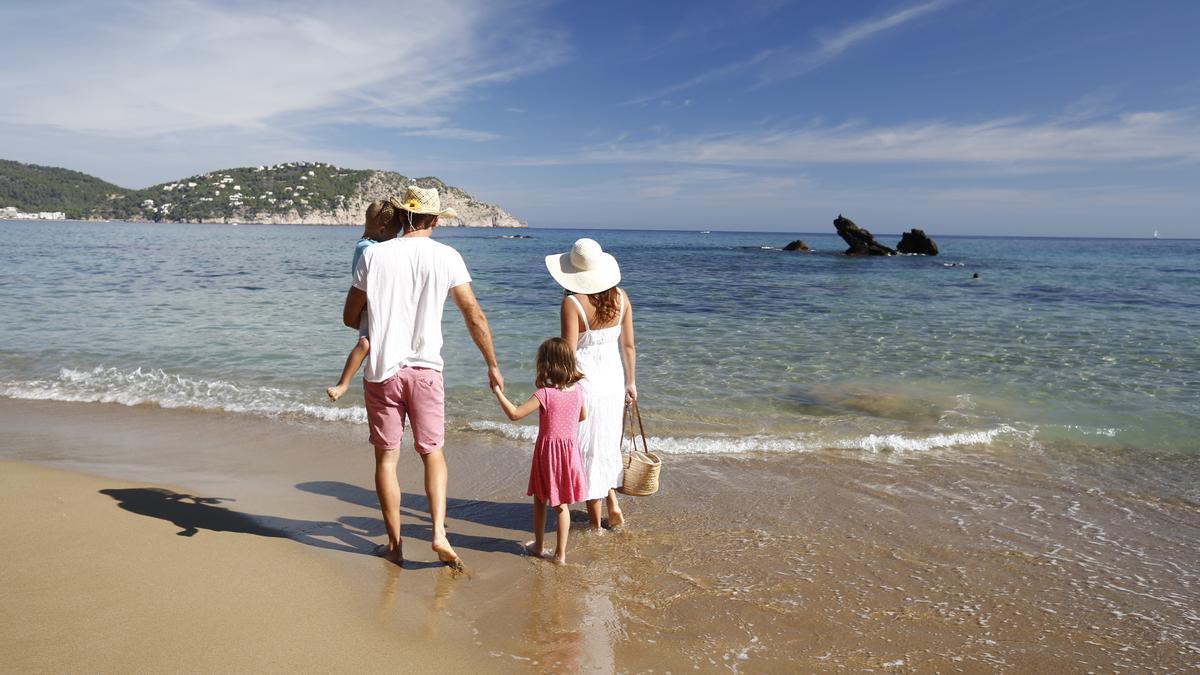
(293, 192)
(30, 187)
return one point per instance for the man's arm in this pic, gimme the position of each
(477, 326)
(356, 302)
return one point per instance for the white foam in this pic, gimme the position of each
(734, 445)
(156, 387)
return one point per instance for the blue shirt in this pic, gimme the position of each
(358, 251)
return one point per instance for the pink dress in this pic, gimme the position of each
(556, 476)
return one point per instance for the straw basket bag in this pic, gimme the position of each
(641, 468)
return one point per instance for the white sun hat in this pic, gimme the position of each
(423, 200)
(585, 268)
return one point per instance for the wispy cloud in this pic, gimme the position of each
(774, 65)
(140, 69)
(703, 78)
(830, 47)
(1160, 136)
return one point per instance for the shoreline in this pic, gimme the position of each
(819, 561)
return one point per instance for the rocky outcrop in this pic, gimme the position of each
(916, 241)
(797, 245)
(860, 240)
(471, 211)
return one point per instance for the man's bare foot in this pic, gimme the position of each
(445, 553)
(595, 530)
(335, 392)
(395, 555)
(534, 551)
(615, 519)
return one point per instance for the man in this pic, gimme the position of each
(403, 284)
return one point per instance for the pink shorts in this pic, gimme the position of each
(416, 393)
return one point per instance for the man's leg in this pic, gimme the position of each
(387, 486)
(435, 491)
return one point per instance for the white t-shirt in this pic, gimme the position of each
(406, 281)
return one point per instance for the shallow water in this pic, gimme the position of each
(742, 347)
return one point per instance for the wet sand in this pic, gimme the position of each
(968, 560)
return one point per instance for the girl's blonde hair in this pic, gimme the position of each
(379, 215)
(556, 365)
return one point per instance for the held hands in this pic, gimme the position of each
(495, 379)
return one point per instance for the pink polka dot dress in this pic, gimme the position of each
(556, 476)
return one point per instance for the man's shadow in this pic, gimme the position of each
(516, 516)
(192, 514)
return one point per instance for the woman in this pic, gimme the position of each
(597, 319)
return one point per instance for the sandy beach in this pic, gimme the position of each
(183, 540)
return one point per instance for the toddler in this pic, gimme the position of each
(379, 214)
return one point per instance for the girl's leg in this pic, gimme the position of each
(535, 547)
(593, 509)
(615, 518)
(564, 529)
(353, 362)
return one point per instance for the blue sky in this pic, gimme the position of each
(958, 116)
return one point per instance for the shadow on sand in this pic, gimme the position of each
(515, 516)
(192, 514)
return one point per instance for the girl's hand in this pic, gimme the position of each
(497, 391)
(630, 393)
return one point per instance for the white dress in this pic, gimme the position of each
(598, 355)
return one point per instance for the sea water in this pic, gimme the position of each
(742, 347)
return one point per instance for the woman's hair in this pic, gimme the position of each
(379, 214)
(606, 304)
(556, 365)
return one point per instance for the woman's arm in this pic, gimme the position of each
(515, 413)
(629, 351)
(569, 317)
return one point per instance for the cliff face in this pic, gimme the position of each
(295, 192)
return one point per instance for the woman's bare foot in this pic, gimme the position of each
(335, 392)
(534, 551)
(560, 559)
(445, 553)
(615, 519)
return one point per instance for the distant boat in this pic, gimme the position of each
(705, 231)
(1156, 234)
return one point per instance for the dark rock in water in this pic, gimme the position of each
(860, 240)
(797, 246)
(916, 241)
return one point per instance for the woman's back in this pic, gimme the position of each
(608, 332)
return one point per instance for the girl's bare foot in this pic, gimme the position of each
(445, 553)
(560, 559)
(335, 392)
(534, 551)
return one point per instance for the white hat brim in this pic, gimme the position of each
(604, 277)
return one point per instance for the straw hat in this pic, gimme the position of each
(422, 200)
(585, 269)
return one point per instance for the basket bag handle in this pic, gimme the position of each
(632, 411)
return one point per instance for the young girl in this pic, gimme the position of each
(556, 477)
(379, 214)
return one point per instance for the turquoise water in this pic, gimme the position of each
(741, 348)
